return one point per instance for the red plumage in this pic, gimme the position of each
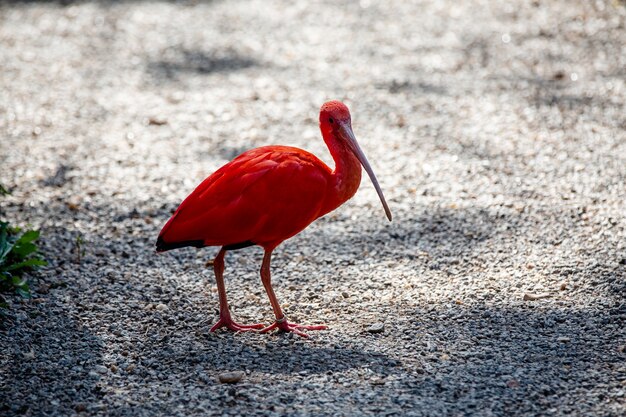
(232, 206)
(265, 196)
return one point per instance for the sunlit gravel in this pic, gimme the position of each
(497, 131)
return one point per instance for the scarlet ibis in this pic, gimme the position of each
(265, 196)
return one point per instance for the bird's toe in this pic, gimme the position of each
(284, 326)
(235, 327)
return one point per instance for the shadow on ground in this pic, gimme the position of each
(277, 354)
(450, 233)
(440, 355)
(52, 355)
(533, 352)
(178, 62)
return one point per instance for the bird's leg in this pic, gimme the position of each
(281, 321)
(225, 318)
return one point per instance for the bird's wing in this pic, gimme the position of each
(264, 195)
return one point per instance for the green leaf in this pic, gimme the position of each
(17, 253)
(29, 263)
(28, 236)
(17, 281)
(3, 190)
(22, 250)
(5, 243)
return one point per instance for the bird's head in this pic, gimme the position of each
(335, 123)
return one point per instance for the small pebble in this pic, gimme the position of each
(512, 383)
(231, 377)
(533, 297)
(156, 121)
(376, 328)
(377, 381)
(100, 369)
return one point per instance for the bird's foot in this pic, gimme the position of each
(284, 326)
(226, 321)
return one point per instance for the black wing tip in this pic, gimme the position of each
(162, 245)
(239, 245)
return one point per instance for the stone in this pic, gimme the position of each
(231, 377)
(376, 328)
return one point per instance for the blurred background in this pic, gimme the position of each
(496, 129)
(151, 83)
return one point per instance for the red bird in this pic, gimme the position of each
(265, 196)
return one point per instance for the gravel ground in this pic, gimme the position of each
(497, 130)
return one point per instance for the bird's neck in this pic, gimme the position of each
(346, 177)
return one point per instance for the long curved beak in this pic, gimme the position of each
(346, 132)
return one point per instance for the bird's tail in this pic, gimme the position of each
(173, 242)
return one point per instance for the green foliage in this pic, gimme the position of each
(18, 254)
(4, 191)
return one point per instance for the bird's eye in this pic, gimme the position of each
(330, 120)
